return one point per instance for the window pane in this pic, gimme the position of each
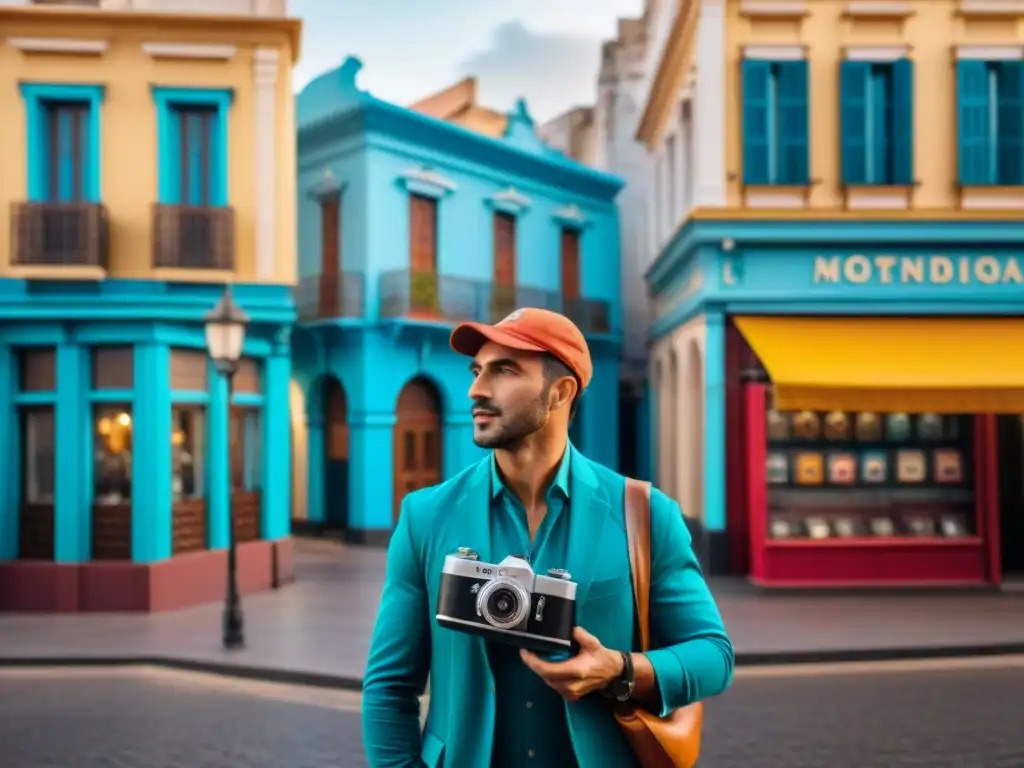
(188, 450)
(113, 368)
(38, 442)
(112, 455)
(245, 449)
(38, 370)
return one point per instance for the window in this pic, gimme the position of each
(330, 256)
(188, 446)
(38, 449)
(991, 122)
(246, 473)
(876, 103)
(192, 126)
(504, 249)
(775, 144)
(570, 265)
(63, 153)
(112, 455)
(422, 234)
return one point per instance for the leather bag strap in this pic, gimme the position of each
(638, 534)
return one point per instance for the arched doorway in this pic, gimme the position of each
(417, 441)
(336, 454)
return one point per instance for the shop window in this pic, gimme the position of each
(843, 475)
(245, 449)
(38, 369)
(112, 451)
(38, 450)
(188, 447)
(113, 368)
(188, 370)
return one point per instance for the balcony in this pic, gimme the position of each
(59, 235)
(322, 297)
(451, 299)
(199, 238)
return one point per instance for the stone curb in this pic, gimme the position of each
(340, 682)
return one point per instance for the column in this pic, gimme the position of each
(71, 509)
(371, 470)
(265, 75)
(9, 440)
(151, 460)
(714, 423)
(315, 458)
(218, 489)
(277, 453)
(709, 107)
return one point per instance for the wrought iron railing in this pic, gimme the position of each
(319, 297)
(59, 234)
(193, 237)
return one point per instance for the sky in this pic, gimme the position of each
(547, 51)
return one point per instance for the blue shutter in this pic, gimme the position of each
(853, 119)
(902, 122)
(757, 117)
(794, 164)
(973, 123)
(1010, 123)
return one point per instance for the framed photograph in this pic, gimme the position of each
(842, 468)
(882, 526)
(910, 467)
(929, 426)
(778, 425)
(810, 469)
(777, 468)
(837, 426)
(948, 466)
(874, 467)
(806, 425)
(818, 528)
(897, 427)
(868, 427)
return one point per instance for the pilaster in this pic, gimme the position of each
(218, 493)
(714, 423)
(315, 458)
(371, 467)
(277, 453)
(709, 107)
(71, 505)
(265, 75)
(151, 466)
(9, 440)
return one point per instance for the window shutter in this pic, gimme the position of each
(756, 121)
(853, 92)
(794, 165)
(973, 124)
(1010, 123)
(903, 122)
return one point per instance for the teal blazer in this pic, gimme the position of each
(694, 659)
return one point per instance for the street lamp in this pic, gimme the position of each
(225, 335)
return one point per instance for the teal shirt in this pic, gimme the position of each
(531, 729)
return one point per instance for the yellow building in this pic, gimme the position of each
(836, 204)
(148, 160)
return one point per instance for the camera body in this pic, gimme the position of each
(507, 602)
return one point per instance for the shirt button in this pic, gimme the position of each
(531, 753)
(529, 705)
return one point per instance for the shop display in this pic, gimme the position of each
(952, 526)
(837, 426)
(848, 527)
(910, 466)
(806, 426)
(882, 526)
(817, 527)
(842, 468)
(868, 428)
(778, 426)
(948, 467)
(919, 525)
(777, 468)
(874, 467)
(809, 469)
(781, 529)
(897, 427)
(929, 426)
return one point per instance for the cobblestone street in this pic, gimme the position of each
(964, 716)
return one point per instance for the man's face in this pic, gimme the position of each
(509, 394)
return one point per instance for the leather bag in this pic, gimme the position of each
(657, 742)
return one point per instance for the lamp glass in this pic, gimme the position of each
(224, 340)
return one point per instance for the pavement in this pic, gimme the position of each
(935, 714)
(317, 630)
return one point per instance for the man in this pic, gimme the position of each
(491, 705)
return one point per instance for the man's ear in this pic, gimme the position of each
(564, 391)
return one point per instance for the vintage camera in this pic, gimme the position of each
(507, 602)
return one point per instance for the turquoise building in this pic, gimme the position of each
(409, 223)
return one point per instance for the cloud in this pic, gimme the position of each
(553, 71)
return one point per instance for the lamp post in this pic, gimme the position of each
(225, 335)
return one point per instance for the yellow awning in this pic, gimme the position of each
(892, 364)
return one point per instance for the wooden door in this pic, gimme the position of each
(417, 441)
(503, 289)
(570, 266)
(330, 256)
(336, 455)
(422, 234)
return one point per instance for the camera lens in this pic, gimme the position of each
(503, 603)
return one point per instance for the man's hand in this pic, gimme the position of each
(592, 669)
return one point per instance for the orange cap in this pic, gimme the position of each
(530, 330)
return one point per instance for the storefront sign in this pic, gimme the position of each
(920, 270)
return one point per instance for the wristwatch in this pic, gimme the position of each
(621, 688)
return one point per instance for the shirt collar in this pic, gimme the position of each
(560, 483)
